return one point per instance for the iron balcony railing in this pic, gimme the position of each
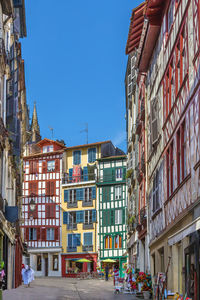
(72, 226)
(79, 178)
(71, 249)
(87, 248)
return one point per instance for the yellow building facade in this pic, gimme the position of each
(79, 207)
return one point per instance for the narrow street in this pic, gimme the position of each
(65, 289)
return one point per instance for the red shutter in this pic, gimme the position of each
(52, 211)
(35, 187)
(56, 234)
(48, 188)
(44, 167)
(31, 167)
(57, 165)
(26, 234)
(30, 188)
(47, 211)
(38, 234)
(43, 234)
(52, 187)
(35, 167)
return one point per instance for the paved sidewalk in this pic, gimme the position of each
(66, 289)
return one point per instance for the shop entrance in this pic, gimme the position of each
(46, 271)
(192, 269)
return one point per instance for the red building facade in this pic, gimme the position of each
(41, 207)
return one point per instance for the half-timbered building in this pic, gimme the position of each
(41, 206)
(112, 206)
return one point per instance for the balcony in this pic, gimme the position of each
(71, 249)
(87, 203)
(87, 248)
(138, 125)
(142, 110)
(72, 226)
(88, 226)
(76, 179)
(72, 205)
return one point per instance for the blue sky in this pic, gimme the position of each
(75, 66)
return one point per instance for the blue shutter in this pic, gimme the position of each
(89, 155)
(78, 194)
(82, 194)
(70, 174)
(77, 157)
(81, 216)
(78, 217)
(94, 154)
(94, 192)
(85, 174)
(74, 240)
(69, 241)
(88, 239)
(78, 239)
(65, 217)
(94, 213)
(66, 196)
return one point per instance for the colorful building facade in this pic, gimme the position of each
(79, 206)
(112, 206)
(41, 206)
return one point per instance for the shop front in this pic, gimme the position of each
(72, 268)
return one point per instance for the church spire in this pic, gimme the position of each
(35, 128)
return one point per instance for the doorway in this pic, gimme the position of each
(46, 271)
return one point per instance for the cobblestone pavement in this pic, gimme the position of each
(66, 289)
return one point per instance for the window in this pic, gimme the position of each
(108, 242)
(32, 234)
(181, 153)
(55, 263)
(72, 217)
(154, 120)
(170, 170)
(77, 157)
(73, 240)
(92, 155)
(88, 194)
(118, 241)
(48, 149)
(87, 239)
(88, 217)
(72, 196)
(50, 211)
(118, 216)
(118, 192)
(156, 203)
(118, 173)
(51, 166)
(39, 263)
(50, 234)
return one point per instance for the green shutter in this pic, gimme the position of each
(123, 216)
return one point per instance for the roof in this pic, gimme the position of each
(88, 145)
(135, 29)
(113, 157)
(154, 11)
(45, 140)
(39, 154)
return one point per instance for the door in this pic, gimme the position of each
(46, 266)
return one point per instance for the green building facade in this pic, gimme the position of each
(112, 202)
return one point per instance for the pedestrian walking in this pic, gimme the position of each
(107, 271)
(27, 275)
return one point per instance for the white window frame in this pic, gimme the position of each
(118, 216)
(118, 192)
(52, 169)
(118, 174)
(51, 234)
(34, 234)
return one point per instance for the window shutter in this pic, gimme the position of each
(66, 196)
(78, 217)
(85, 173)
(81, 194)
(56, 234)
(81, 216)
(57, 165)
(94, 215)
(107, 174)
(48, 188)
(44, 167)
(89, 155)
(52, 187)
(74, 240)
(65, 217)
(154, 121)
(43, 234)
(78, 194)
(52, 211)
(26, 234)
(69, 240)
(93, 192)
(94, 154)
(78, 239)
(31, 167)
(35, 187)
(70, 174)
(112, 219)
(38, 234)
(123, 216)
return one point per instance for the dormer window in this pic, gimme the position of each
(48, 149)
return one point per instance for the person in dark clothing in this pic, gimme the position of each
(107, 271)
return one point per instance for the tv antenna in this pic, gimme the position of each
(85, 130)
(51, 129)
